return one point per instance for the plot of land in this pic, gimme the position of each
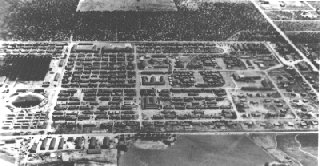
(309, 143)
(200, 150)
(126, 5)
(304, 37)
(299, 26)
(314, 3)
(288, 144)
(4, 10)
(293, 15)
(280, 15)
(295, 5)
(285, 5)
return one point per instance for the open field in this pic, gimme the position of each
(293, 15)
(6, 159)
(200, 150)
(285, 5)
(126, 5)
(4, 9)
(268, 143)
(288, 144)
(309, 143)
(280, 15)
(295, 5)
(304, 37)
(299, 26)
(286, 147)
(315, 4)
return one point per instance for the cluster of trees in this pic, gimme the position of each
(58, 20)
(39, 20)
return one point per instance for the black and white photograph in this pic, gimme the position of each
(159, 82)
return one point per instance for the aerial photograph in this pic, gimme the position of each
(159, 82)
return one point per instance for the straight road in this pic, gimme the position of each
(283, 35)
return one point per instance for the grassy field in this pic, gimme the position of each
(7, 160)
(126, 5)
(304, 37)
(288, 144)
(267, 141)
(4, 5)
(202, 151)
(295, 5)
(309, 143)
(290, 15)
(308, 139)
(307, 25)
(286, 5)
(280, 15)
(315, 4)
